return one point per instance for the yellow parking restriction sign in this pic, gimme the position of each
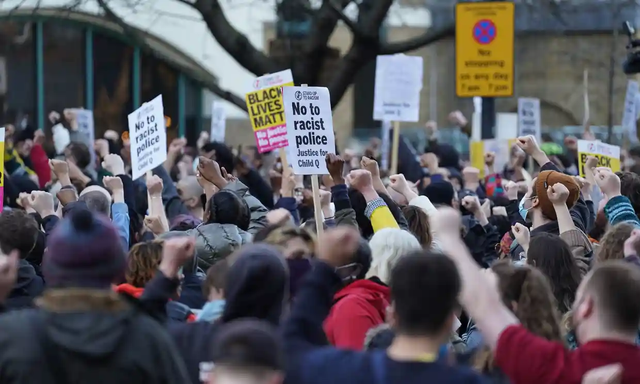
(484, 49)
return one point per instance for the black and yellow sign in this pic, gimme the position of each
(484, 49)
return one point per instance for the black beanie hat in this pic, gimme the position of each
(440, 193)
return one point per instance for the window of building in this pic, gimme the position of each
(192, 98)
(112, 79)
(17, 73)
(157, 78)
(64, 67)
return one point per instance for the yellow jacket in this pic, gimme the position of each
(380, 215)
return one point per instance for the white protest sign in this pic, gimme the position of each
(218, 121)
(307, 111)
(529, 117)
(630, 113)
(148, 137)
(84, 118)
(385, 145)
(633, 132)
(397, 88)
(267, 81)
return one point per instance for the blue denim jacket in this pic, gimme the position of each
(120, 219)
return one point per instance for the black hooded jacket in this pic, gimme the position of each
(28, 286)
(257, 287)
(97, 339)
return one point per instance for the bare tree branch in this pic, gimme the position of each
(351, 63)
(139, 40)
(363, 49)
(372, 19)
(227, 95)
(232, 41)
(355, 28)
(322, 26)
(430, 36)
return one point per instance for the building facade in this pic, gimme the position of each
(54, 59)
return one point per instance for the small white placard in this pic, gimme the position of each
(218, 121)
(84, 118)
(267, 81)
(148, 136)
(307, 111)
(397, 88)
(630, 113)
(529, 117)
(385, 145)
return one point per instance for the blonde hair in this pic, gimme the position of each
(281, 235)
(388, 245)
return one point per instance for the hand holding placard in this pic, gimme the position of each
(148, 137)
(309, 128)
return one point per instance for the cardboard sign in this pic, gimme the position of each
(608, 155)
(309, 129)
(218, 121)
(148, 137)
(500, 147)
(529, 117)
(397, 88)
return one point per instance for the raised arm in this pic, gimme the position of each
(558, 194)
(377, 210)
(479, 296)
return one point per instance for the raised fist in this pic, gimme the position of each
(361, 179)
(558, 193)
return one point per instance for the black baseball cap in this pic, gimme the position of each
(248, 343)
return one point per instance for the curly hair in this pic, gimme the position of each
(418, 224)
(142, 262)
(553, 257)
(612, 243)
(527, 292)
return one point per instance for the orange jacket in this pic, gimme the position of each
(136, 292)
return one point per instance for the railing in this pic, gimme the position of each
(460, 141)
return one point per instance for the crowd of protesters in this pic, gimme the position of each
(211, 270)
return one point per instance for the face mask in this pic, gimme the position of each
(195, 164)
(523, 211)
(348, 272)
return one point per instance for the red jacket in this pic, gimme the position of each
(357, 308)
(40, 164)
(529, 359)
